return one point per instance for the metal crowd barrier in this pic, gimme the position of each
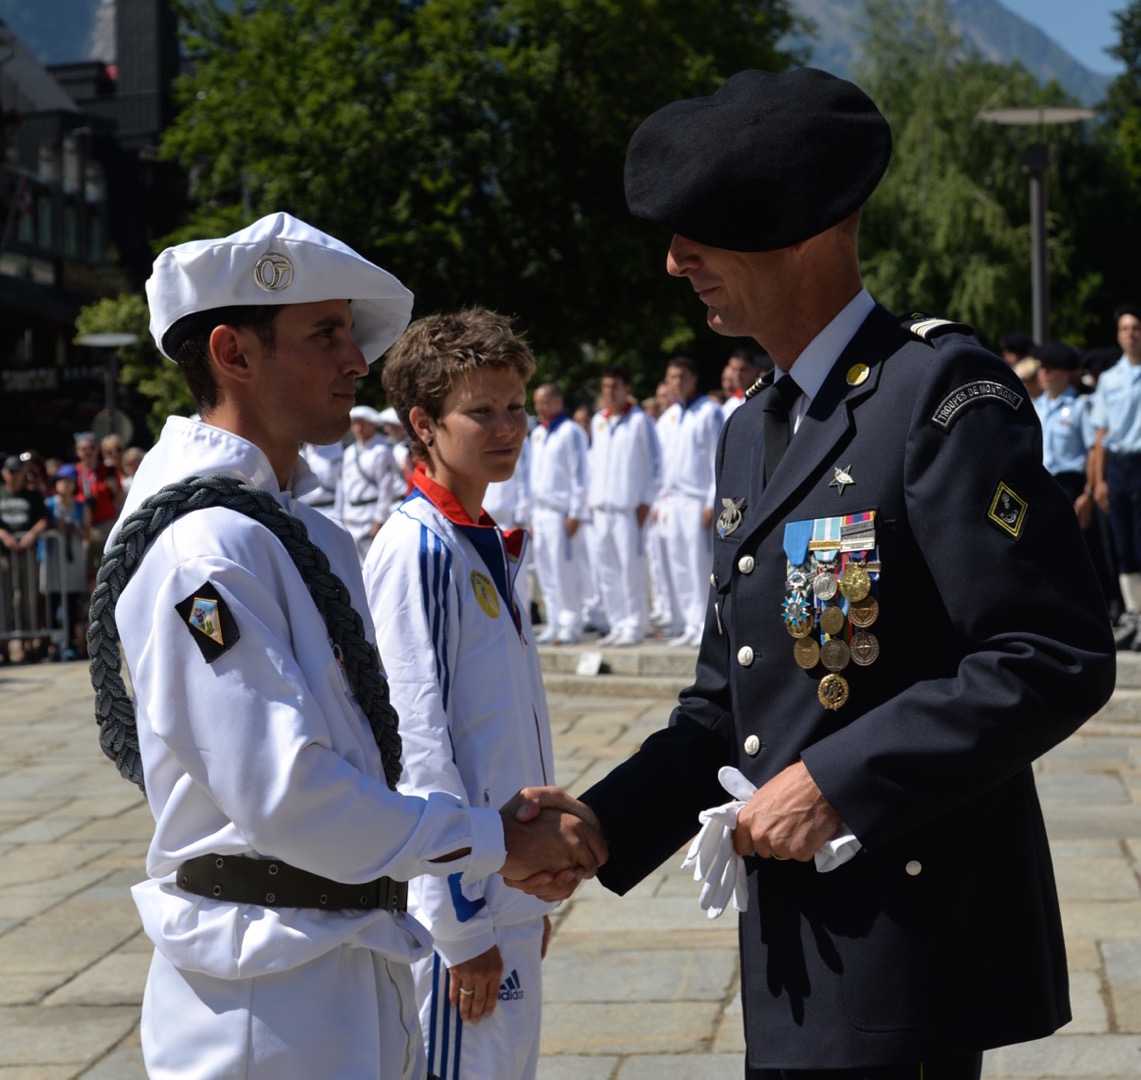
(27, 580)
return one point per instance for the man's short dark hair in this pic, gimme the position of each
(1126, 309)
(616, 371)
(682, 362)
(188, 342)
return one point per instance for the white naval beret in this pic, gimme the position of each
(388, 416)
(366, 412)
(276, 260)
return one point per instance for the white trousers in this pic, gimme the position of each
(620, 566)
(502, 1046)
(559, 566)
(350, 1014)
(688, 557)
(660, 596)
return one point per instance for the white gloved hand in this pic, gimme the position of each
(711, 854)
(722, 870)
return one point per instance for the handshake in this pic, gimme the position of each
(553, 841)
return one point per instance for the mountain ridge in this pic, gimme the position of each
(66, 31)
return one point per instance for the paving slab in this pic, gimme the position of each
(639, 987)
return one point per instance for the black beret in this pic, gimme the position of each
(1017, 341)
(1057, 354)
(767, 161)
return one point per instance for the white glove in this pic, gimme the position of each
(711, 854)
(722, 870)
(716, 863)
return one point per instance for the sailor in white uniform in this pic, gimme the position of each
(558, 509)
(625, 473)
(689, 430)
(370, 479)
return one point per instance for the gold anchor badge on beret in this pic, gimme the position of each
(730, 519)
(209, 620)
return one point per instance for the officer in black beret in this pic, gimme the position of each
(901, 618)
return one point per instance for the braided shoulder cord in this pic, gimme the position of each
(114, 710)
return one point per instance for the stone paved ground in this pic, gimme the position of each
(643, 988)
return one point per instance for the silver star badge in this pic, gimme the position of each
(842, 478)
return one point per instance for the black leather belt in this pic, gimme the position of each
(241, 879)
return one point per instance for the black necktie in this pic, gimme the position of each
(778, 405)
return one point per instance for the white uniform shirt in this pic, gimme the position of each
(464, 676)
(558, 467)
(371, 484)
(508, 502)
(625, 460)
(732, 404)
(325, 464)
(689, 434)
(263, 752)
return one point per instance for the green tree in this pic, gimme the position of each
(473, 147)
(948, 229)
(141, 366)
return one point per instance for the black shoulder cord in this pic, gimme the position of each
(114, 710)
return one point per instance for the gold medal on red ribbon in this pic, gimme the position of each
(855, 582)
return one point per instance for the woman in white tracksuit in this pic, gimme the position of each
(464, 676)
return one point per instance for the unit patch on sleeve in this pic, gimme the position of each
(1008, 511)
(209, 621)
(973, 393)
(485, 593)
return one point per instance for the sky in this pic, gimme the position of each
(1082, 27)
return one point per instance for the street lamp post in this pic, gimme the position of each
(1035, 161)
(112, 343)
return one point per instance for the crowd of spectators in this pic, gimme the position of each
(620, 503)
(55, 516)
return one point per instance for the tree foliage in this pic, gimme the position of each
(948, 229)
(141, 366)
(473, 147)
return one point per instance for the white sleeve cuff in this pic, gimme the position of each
(488, 847)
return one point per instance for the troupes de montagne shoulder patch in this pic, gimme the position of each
(209, 620)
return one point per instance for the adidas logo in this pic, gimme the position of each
(509, 989)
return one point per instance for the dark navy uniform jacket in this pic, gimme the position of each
(942, 935)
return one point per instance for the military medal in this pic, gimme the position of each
(806, 653)
(863, 612)
(797, 616)
(855, 582)
(832, 620)
(824, 585)
(730, 519)
(834, 654)
(832, 691)
(831, 577)
(864, 647)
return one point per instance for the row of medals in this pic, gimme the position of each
(800, 615)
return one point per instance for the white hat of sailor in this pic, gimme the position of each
(366, 412)
(276, 260)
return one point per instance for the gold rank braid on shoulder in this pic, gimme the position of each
(114, 710)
